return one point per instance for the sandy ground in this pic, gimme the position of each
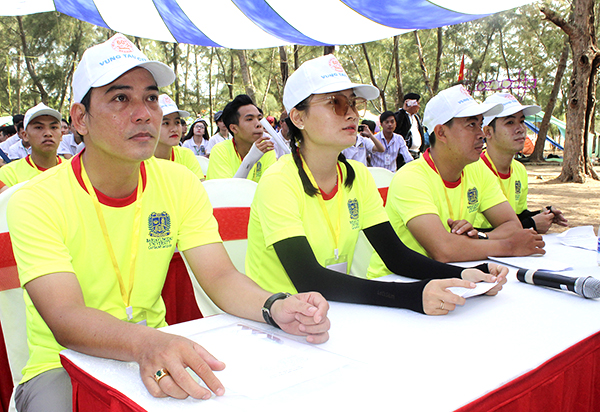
(580, 203)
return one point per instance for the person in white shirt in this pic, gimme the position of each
(20, 149)
(410, 126)
(221, 135)
(365, 144)
(197, 138)
(71, 144)
(394, 145)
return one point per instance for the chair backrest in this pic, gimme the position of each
(231, 200)
(12, 304)
(364, 250)
(383, 177)
(203, 160)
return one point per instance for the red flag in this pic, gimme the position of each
(461, 71)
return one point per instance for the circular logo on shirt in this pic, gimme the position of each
(122, 44)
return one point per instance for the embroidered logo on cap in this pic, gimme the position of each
(335, 65)
(122, 44)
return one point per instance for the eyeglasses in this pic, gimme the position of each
(340, 104)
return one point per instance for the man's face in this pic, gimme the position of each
(64, 128)
(464, 138)
(124, 118)
(509, 134)
(284, 127)
(43, 134)
(411, 106)
(389, 125)
(248, 128)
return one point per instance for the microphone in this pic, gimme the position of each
(588, 287)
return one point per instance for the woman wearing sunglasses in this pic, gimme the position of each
(310, 206)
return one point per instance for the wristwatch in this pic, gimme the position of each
(482, 236)
(266, 309)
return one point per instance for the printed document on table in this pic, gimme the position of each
(260, 363)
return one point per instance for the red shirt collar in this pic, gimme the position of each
(429, 160)
(42, 169)
(102, 198)
(486, 160)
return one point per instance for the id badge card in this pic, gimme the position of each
(340, 265)
(387, 157)
(140, 318)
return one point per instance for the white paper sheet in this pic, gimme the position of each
(581, 237)
(480, 289)
(260, 363)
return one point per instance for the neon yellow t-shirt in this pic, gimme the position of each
(417, 189)
(54, 228)
(20, 170)
(281, 209)
(514, 186)
(186, 157)
(225, 162)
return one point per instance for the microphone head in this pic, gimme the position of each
(588, 287)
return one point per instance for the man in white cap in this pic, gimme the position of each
(432, 201)
(42, 132)
(93, 273)
(505, 135)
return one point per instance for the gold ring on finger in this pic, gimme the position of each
(442, 305)
(161, 373)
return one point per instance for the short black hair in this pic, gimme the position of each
(18, 118)
(20, 126)
(385, 115)
(66, 121)
(432, 138)
(412, 96)
(370, 124)
(231, 114)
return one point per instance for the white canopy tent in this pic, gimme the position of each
(253, 24)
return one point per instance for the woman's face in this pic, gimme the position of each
(324, 127)
(199, 129)
(170, 129)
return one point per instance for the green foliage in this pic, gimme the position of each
(495, 47)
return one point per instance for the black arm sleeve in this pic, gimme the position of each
(404, 261)
(305, 272)
(526, 218)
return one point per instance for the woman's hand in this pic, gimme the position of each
(437, 300)
(497, 275)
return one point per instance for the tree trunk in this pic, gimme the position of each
(397, 74)
(328, 50)
(283, 65)
(438, 61)
(581, 101)
(34, 78)
(372, 75)
(210, 96)
(246, 77)
(186, 71)
(296, 57)
(476, 65)
(175, 62)
(422, 63)
(538, 151)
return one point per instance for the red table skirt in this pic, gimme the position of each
(568, 382)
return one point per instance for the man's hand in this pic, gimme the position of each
(462, 227)
(525, 242)
(174, 353)
(559, 219)
(303, 314)
(497, 274)
(437, 300)
(264, 144)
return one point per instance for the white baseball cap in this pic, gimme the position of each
(105, 62)
(168, 106)
(324, 74)
(40, 110)
(455, 102)
(510, 105)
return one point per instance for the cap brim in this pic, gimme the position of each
(163, 75)
(182, 113)
(361, 90)
(485, 109)
(44, 112)
(527, 111)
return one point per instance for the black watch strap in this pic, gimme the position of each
(266, 309)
